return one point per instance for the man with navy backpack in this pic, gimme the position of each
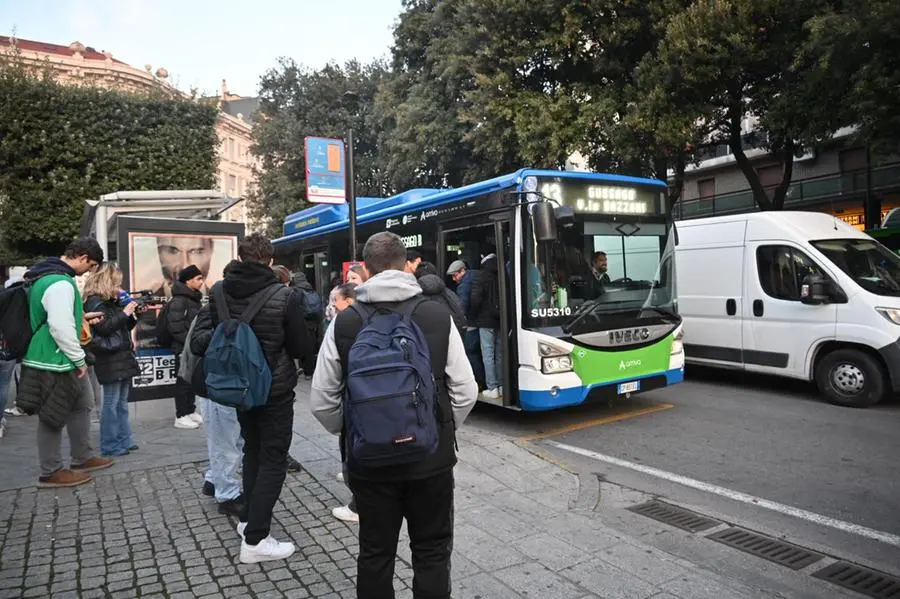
(280, 328)
(393, 380)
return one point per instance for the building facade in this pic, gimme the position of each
(77, 64)
(844, 181)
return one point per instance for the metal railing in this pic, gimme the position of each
(805, 191)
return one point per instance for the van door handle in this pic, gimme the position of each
(757, 307)
(730, 307)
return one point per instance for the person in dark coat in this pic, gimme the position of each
(187, 298)
(113, 353)
(484, 303)
(464, 278)
(433, 287)
(313, 321)
(280, 327)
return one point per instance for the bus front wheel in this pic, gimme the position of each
(851, 378)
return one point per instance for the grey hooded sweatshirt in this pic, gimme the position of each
(328, 383)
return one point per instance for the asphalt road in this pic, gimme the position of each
(766, 437)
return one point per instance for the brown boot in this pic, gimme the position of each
(63, 478)
(92, 464)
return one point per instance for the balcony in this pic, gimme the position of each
(842, 186)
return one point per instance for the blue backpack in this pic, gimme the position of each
(390, 400)
(312, 305)
(237, 373)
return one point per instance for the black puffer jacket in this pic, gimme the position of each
(280, 326)
(183, 308)
(484, 303)
(111, 347)
(435, 289)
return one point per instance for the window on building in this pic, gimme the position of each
(852, 159)
(782, 269)
(231, 147)
(770, 176)
(706, 188)
(232, 184)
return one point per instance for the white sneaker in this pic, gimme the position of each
(268, 550)
(240, 529)
(340, 477)
(345, 513)
(491, 394)
(186, 422)
(196, 417)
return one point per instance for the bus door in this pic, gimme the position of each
(314, 265)
(471, 243)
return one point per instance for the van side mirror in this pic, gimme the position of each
(547, 218)
(815, 290)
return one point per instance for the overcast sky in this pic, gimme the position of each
(201, 42)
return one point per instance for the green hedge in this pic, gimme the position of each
(62, 145)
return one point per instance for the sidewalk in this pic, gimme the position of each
(524, 528)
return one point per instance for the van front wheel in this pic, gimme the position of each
(849, 377)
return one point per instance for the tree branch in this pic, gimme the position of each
(734, 142)
(787, 173)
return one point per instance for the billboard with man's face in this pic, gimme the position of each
(158, 259)
(152, 253)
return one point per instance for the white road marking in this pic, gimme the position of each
(864, 531)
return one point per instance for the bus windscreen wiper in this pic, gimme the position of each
(667, 312)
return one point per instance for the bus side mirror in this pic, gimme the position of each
(547, 218)
(544, 222)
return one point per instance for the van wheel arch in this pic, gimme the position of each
(869, 361)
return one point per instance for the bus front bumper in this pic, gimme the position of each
(543, 400)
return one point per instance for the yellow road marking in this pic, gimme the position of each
(571, 428)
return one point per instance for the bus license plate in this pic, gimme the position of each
(629, 387)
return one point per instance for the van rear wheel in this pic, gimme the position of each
(849, 377)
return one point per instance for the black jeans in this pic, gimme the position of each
(185, 401)
(267, 433)
(427, 505)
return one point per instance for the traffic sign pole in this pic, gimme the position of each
(351, 195)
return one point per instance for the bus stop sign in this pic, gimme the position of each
(326, 181)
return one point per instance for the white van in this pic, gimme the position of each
(797, 294)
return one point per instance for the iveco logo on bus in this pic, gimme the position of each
(623, 336)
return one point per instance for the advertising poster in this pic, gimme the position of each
(155, 258)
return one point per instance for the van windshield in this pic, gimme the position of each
(874, 267)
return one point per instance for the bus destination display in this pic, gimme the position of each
(592, 198)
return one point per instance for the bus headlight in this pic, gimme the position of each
(556, 365)
(678, 341)
(554, 360)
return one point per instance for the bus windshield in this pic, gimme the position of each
(598, 272)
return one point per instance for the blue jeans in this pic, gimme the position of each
(492, 355)
(7, 370)
(115, 429)
(225, 446)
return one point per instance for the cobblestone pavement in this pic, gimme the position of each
(525, 527)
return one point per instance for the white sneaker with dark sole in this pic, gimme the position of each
(345, 514)
(186, 422)
(266, 551)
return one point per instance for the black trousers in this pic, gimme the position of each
(267, 433)
(185, 402)
(427, 505)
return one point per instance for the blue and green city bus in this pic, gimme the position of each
(573, 333)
